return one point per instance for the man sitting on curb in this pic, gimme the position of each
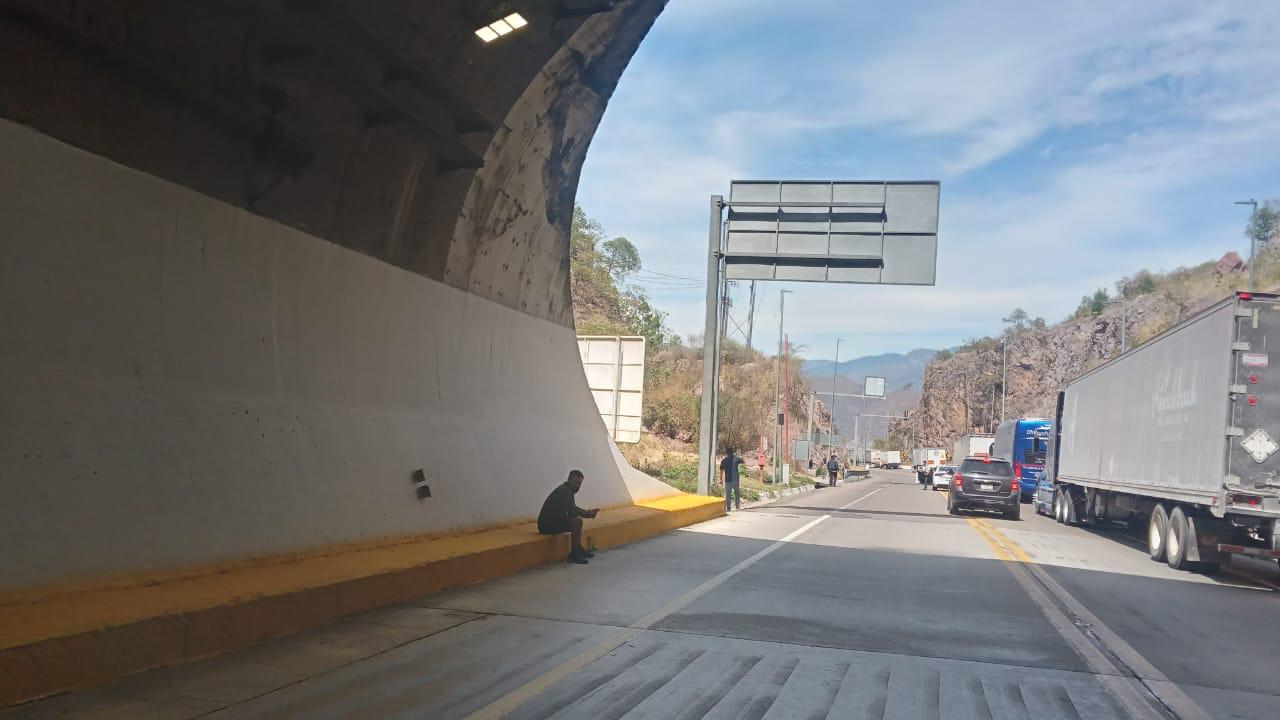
(560, 515)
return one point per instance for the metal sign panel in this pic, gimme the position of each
(873, 386)
(852, 232)
(614, 367)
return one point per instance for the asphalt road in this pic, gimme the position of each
(862, 601)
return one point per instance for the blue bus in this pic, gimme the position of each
(1023, 443)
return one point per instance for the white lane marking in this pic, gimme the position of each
(513, 700)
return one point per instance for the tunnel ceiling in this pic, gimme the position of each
(386, 127)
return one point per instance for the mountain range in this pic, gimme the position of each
(903, 374)
(896, 368)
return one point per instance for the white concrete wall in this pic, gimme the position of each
(184, 382)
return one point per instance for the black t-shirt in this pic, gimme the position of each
(559, 507)
(730, 467)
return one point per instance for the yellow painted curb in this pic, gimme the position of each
(66, 640)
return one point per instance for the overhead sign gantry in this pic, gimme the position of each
(863, 232)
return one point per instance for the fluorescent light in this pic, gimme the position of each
(498, 28)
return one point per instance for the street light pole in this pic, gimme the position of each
(1123, 302)
(1253, 243)
(777, 391)
(834, 370)
(1004, 367)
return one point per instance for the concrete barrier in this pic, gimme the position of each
(76, 636)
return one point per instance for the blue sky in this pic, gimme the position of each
(1076, 143)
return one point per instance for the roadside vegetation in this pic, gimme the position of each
(607, 302)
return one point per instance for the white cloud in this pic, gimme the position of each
(1148, 118)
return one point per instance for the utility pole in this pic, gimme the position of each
(786, 401)
(808, 429)
(1004, 374)
(1124, 317)
(710, 356)
(777, 389)
(1253, 242)
(751, 315)
(724, 310)
(835, 368)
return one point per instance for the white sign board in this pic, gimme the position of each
(873, 386)
(614, 367)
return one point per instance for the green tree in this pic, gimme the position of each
(1099, 301)
(620, 257)
(1264, 224)
(1018, 320)
(600, 306)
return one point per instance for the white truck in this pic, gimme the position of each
(891, 459)
(1178, 434)
(924, 460)
(971, 445)
(875, 458)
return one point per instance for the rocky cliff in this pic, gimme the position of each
(961, 391)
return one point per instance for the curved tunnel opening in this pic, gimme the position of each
(265, 260)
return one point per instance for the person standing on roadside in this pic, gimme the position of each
(729, 475)
(833, 467)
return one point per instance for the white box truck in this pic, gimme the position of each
(1182, 435)
(924, 460)
(971, 445)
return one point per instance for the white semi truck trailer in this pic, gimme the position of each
(1179, 433)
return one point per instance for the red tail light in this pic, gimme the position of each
(1013, 486)
(958, 480)
(1244, 295)
(1017, 469)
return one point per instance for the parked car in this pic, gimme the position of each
(985, 483)
(940, 478)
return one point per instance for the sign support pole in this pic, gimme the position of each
(710, 354)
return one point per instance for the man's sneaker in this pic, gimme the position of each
(585, 553)
(576, 558)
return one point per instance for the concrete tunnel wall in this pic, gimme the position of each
(187, 381)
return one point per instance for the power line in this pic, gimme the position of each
(666, 275)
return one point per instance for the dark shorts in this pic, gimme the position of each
(553, 527)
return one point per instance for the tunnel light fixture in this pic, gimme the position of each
(498, 28)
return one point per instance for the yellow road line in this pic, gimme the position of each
(1014, 549)
(990, 541)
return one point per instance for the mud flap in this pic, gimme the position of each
(1204, 535)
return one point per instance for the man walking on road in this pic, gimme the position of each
(729, 474)
(560, 515)
(833, 467)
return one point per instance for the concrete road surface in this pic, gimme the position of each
(862, 601)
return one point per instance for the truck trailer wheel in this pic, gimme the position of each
(1157, 533)
(1177, 540)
